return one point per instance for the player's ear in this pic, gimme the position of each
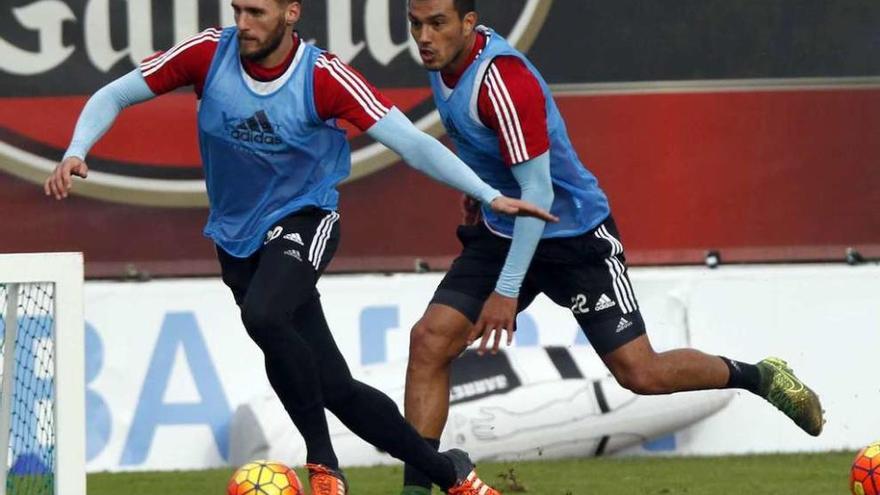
(292, 12)
(469, 22)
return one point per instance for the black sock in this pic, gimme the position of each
(373, 416)
(309, 418)
(313, 427)
(743, 375)
(414, 477)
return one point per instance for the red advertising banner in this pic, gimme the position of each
(759, 142)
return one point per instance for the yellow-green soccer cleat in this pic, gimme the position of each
(785, 391)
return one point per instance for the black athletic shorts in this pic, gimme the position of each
(294, 254)
(586, 274)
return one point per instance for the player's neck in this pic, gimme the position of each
(475, 45)
(261, 73)
(464, 58)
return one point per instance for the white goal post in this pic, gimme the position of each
(56, 357)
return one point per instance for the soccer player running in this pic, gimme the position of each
(273, 156)
(502, 118)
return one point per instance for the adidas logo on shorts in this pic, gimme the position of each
(623, 325)
(293, 253)
(604, 302)
(295, 237)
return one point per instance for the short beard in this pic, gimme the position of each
(272, 45)
(452, 60)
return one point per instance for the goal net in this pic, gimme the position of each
(42, 412)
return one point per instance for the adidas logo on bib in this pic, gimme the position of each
(623, 325)
(257, 129)
(604, 302)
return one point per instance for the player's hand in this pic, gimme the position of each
(520, 208)
(60, 181)
(470, 211)
(498, 316)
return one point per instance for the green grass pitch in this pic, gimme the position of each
(803, 474)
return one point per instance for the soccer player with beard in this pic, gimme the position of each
(502, 118)
(273, 155)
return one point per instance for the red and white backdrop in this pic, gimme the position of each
(750, 128)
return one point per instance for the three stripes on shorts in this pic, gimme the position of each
(319, 241)
(619, 279)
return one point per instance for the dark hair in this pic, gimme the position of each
(465, 6)
(462, 7)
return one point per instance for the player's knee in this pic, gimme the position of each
(261, 322)
(638, 383)
(639, 379)
(337, 396)
(431, 345)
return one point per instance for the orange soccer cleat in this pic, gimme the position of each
(467, 481)
(326, 481)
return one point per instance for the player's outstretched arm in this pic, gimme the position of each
(96, 118)
(426, 154)
(499, 311)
